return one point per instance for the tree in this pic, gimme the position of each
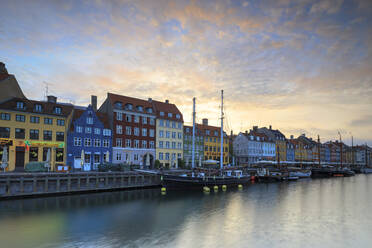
(157, 164)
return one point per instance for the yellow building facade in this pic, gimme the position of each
(29, 129)
(169, 134)
(212, 143)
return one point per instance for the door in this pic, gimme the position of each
(77, 163)
(20, 158)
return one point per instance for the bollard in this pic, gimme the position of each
(224, 187)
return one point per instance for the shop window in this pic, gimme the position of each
(19, 133)
(33, 154)
(4, 132)
(59, 155)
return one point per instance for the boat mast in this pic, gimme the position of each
(221, 156)
(193, 134)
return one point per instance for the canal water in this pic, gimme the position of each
(334, 212)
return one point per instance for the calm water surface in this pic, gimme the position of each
(333, 212)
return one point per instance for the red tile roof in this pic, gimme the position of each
(204, 128)
(167, 108)
(114, 98)
(3, 76)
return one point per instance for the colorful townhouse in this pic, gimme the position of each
(279, 139)
(29, 129)
(134, 123)
(290, 153)
(187, 144)
(89, 139)
(212, 142)
(169, 133)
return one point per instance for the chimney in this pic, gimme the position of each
(167, 101)
(255, 128)
(270, 127)
(292, 136)
(3, 69)
(150, 100)
(52, 99)
(94, 103)
(205, 121)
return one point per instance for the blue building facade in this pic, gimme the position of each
(290, 151)
(89, 139)
(327, 154)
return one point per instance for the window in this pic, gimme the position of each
(119, 116)
(60, 136)
(5, 116)
(174, 135)
(20, 118)
(45, 153)
(136, 131)
(128, 143)
(136, 119)
(167, 123)
(152, 132)
(38, 108)
(139, 108)
(161, 113)
(135, 156)
(144, 132)
(173, 124)
(97, 131)
(207, 132)
(170, 115)
(173, 145)
(173, 156)
(128, 118)
(48, 121)
(20, 105)
(118, 156)
(179, 135)
(118, 105)
(59, 155)
(179, 145)
(33, 154)
(152, 144)
(119, 129)
(179, 155)
(106, 132)
(160, 144)
(161, 123)
(144, 144)
(47, 135)
(77, 141)
(178, 116)
(19, 133)
(90, 120)
(57, 110)
(119, 143)
(161, 156)
(144, 120)
(88, 130)
(79, 129)
(161, 133)
(87, 158)
(215, 133)
(179, 125)
(34, 119)
(34, 134)
(166, 156)
(167, 144)
(106, 143)
(167, 134)
(149, 110)
(97, 158)
(128, 106)
(136, 143)
(87, 142)
(152, 121)
(128, 130)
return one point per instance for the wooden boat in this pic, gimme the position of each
(300, 173)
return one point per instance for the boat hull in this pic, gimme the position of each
(182, 182)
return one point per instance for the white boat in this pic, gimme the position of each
(300, 173)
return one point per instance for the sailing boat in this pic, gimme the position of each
(200, 178)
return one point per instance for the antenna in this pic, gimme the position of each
(46, 89)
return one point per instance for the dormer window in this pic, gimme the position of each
(178, 116)
(20, 105)
(215, 133)
(57, 110)
(170, 115)
(161, 113)
(128, 106)
(139, 108)
(149, 110)
(118, 105)
(38, 108)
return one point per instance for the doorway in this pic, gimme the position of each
(20, 158)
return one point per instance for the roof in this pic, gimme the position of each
(47, 107)
(114, 98)
(197, 131)
(257, 134)
(204, 128)
(101, 116)
(167, 107)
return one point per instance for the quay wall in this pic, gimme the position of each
(19, 185)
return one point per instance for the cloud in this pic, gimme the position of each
(363, 121)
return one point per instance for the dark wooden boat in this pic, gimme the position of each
(189, 182)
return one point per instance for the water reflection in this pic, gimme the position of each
(309, 213)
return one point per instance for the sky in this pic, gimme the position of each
(301, 66)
